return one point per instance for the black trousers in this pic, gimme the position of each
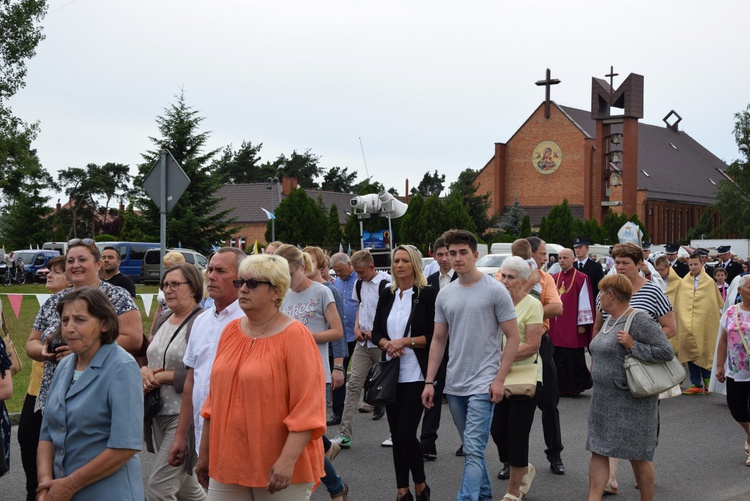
(338, 396)
(403, 420)
(738, 400)
(573, 374)
(548, 400)
(511, 426)
(29, 428)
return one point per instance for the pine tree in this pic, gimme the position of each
(333, 231)
(299, 220)
(195, 221)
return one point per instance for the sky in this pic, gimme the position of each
(418, 85)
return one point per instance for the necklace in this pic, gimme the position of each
(265, 328)
(606, 328)
(561, 288)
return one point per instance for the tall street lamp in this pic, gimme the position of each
(272, 185)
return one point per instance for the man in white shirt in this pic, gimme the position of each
(365, 354)
(201, 348)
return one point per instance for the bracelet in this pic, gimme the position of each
(412, 342)
(338, 367)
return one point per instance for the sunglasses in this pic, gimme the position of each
(85, 241)
(251, 283)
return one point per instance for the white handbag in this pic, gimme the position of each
(647, 379)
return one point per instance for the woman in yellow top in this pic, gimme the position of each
(511, 423)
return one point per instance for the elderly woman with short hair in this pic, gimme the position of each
(621, 425)
(253, 450)
(512, 420)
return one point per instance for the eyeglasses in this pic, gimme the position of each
(85, 241)
(251, 283)
(173, 286)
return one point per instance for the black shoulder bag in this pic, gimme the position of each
(382, 380)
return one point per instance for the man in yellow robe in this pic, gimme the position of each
(698, 309)
(670, 285)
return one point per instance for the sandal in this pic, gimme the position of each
(610, 490)
(510, 496)
(527, 479)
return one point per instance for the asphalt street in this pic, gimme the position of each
(700, 457)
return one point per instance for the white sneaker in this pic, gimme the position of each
(387, 442)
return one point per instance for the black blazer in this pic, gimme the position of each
(434, 280)
(422, 320)
(594, 271)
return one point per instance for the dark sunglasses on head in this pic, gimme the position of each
(85, 241)
(251, 283)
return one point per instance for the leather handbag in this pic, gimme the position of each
(381, 383)
(10, 349)
(648, 379)
(520, 383)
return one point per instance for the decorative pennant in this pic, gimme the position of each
(15, 303)
(147, 300)
(42, 298)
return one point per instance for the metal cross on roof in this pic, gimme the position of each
(547, 82)
(612, 76)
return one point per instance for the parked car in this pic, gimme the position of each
(491, 263)
(34, 260)
(150, 271)
(131, 256)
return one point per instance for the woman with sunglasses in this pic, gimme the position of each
(254, 450)
(183, 290)
(404, 321)
(82, 263)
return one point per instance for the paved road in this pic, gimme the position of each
(699, 457)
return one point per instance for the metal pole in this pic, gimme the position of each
(273, 220)
(162, 208)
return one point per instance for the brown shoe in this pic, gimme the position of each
(333, 451)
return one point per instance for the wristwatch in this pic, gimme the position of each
(433, 383)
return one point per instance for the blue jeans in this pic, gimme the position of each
(472, 416)
(332, 481)
(698, 374)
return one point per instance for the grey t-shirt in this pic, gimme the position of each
(309, 308)
(472, 314)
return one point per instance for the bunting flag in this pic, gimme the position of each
(429, 250)
(15, 303)
(42, 298)
(269, 215)
(341, 248)
(255, 247)
(179, 244)
(147, 301)
(349, 250)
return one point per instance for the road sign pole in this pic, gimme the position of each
(162, 209)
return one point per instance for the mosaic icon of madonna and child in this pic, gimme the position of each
(547, 157)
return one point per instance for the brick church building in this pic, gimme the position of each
(603, 159)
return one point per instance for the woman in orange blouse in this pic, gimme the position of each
(265, 413)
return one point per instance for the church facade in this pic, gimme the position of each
(602, 159)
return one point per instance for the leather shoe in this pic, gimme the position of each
(333, 420)
(379, 413)
(505, 472)
(460, 451)
(556, 466)
(429, 452)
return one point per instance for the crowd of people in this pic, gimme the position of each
(278, 329)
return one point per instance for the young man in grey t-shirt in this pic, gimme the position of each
(474, 311)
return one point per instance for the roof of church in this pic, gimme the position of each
(246, 200)
(673, 166)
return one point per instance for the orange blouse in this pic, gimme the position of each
(262, 389)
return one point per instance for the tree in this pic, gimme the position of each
(559, 225)
(195, 221)
(339, 180)
(511, 222)
(302, 166)
(27, 221)
(333, 230)
(431, 184)
(477, 206)
(131, 227)
(299, 220)
(525, 230)
(242, 166)
(733, 196)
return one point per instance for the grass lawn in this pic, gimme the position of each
(20, 328)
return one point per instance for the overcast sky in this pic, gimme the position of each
(425, 84)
